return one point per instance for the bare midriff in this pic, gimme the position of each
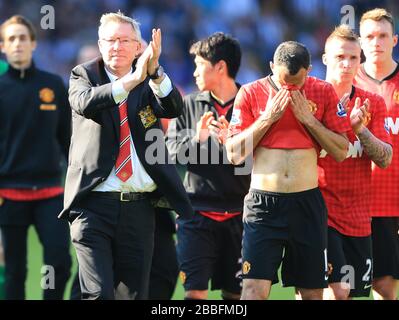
(284, 170)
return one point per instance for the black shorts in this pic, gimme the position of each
(210, 250)
(290, 228)
(385, 238)
(350, 260)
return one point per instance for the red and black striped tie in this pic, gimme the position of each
(123, 165)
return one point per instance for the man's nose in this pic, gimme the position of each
(17, 41)
(375, 42)
(116, 44)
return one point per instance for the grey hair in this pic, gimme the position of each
(119, 17)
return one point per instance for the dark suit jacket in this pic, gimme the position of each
(95, 135)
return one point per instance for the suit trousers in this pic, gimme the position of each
(15, 218)
(114, 243)
(164, 267)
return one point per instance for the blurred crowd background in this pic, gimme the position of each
(259, 25)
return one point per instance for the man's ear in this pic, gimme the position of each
(324, 59)
(271, 65)
(139, 50)
(224, 65)
(395, 40)
(360, 41)
(220, 65)
(309, 69)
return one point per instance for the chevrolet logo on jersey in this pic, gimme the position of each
(392, 126)
(355, 150)
(386, 127)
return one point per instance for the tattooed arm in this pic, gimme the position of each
(378, 151)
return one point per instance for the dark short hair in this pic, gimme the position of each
(292, 55)
(18, 19)
(219, 46)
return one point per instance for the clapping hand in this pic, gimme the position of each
(140, 73)
(155, 48)
(218, 129)
(203, 126)
(344, 101)
(360, 115)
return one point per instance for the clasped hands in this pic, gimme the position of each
(276, 106)
(148, 61)
(208, 126)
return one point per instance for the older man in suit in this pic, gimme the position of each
(110, 182)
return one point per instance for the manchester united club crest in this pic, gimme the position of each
(147, 117)
(246, 266)
(182, 276)
(367, 119)
(395, 96)
(312, 106)
(46, 95)
(329, 269)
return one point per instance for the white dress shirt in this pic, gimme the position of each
(140, 181)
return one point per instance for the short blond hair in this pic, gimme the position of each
(378, 14)
(343, 32)
(119, 17)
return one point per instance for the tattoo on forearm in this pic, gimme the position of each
(378, 151)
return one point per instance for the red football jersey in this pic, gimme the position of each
(288, 132)
(347, 188)
(385, 198)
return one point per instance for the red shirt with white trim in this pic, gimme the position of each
(385, 182)
(288, 132)
(347, 190)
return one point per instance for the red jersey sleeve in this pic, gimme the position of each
(335, 116)
(242, 116)
(378, 124)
